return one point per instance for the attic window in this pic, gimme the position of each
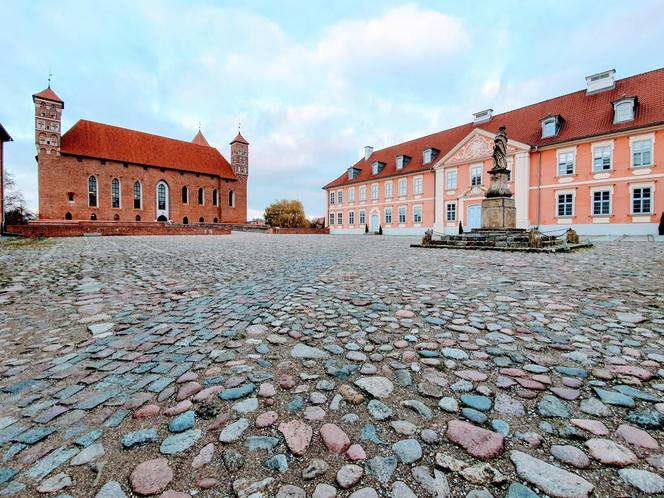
(551, 126)
(429, 155)
(623, 110)
(377, 167)
(402, 161)
(482, 116)
(352, 173)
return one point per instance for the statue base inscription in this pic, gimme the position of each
(498, 213)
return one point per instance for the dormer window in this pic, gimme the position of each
(551, 126)
(377, 167)
(623, 110)
(429, 155)
(352, 173)
(402, 161)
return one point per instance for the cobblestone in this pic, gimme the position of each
(347, 366)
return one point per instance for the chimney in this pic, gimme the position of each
(482, 116)
(368, 150)
(600, 81)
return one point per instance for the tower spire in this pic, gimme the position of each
(50, 75)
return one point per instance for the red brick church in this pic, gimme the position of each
(96, 171)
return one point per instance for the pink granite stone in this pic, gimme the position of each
(297, 434)
(472, 375)
(266, 419)
(147, 411)
(637, 437)
(335, 439)
(610, 453)
(478, 442)
(151, 477)
(181, 407)
(593, 426)
(188, 390)
(355, 452)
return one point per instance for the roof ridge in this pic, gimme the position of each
(539, 102)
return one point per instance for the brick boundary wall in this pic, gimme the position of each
(300, 231)
(80, 228)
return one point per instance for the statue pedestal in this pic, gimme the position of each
(498, 213)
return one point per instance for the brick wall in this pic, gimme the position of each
(300, 231)
(79, 228)
(60, 175)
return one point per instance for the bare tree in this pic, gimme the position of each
(16, 211)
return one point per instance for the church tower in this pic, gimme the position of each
(48, 121)
(240, 155)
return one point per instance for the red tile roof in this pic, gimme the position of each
(90, 139)
(240, 138)
(584, 116)
(199, 139)
(48, 94)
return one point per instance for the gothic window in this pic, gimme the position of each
(92, 192)
(216, 220)
(68, 216)
(185, 221)
(185, 195)
(201, 196)
(215, 197)
(115, 193)
(161, 197)
(137, 195)
(231, 198)
(201, 220)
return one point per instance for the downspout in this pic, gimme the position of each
(539, 184)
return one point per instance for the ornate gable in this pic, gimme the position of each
(478, 146)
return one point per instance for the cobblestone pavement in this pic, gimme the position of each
(293, 366)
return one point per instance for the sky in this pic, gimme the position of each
(311, 82)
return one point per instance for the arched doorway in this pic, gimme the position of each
(162, 201)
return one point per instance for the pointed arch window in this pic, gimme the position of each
(115, 193)
(215, 197)
(231, 198)
(138, 197)
(201, 196)
(185, 195)
(92, 191)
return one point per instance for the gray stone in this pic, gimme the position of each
(407, 450)
(550, 479)
(644, 481)
(111, 489)
(177, 443)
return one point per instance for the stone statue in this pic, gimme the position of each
(499, 185)
(500, 150)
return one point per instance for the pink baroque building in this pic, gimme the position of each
(592, 160)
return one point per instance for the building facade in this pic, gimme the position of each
(4, 137)
(96, 171)
(591, 160)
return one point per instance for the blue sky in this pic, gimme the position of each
(312, 82)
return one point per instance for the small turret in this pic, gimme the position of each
(48, 120)
(240, 155)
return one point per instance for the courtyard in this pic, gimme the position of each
(255, 365)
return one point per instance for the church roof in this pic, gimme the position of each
(199, 139)
(584, 116)
(102, 141)
(48, 94)
(240, 138)
(4, 135)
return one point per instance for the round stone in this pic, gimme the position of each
(151, 477)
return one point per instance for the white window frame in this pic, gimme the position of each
(351, 194)
(388, 215)
(362, 217)
(566, 153)
(332, 197)
(140, 195)
(340, 218)
(399, 162)
(340, 197)
(426, 155)
(633, 187)
(351, 218)
(403, 187)
(451, 179)
(602, 145)
(598, 190)
(565, 192)
(474, 167)
(402, 213)
(363, 193)
(332, 218)
(623, 104)
(418, 185)
(547, 132)
(449, 205)
(640, 139)
(388, 190)
(417, 210)
(96, 192)
(374, 191)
